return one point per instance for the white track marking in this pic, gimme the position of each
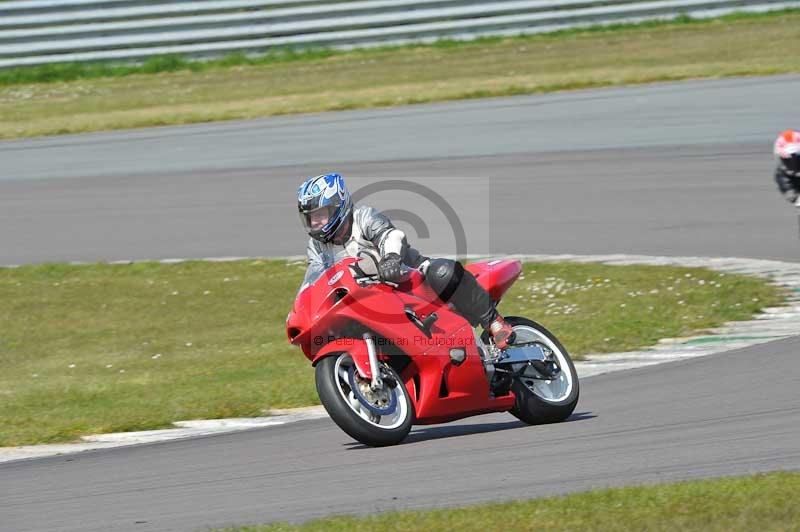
(770, 324)
(184, 429)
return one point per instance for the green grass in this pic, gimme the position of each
(760, 502)
(155, 65)
(101, 348)
(78, 98)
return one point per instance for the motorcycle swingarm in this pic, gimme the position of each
(529, 354)
(521, 353)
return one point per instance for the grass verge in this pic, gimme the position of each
(103, 348)
(760, 502)
(173, 91)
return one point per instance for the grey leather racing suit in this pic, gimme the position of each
(373, 231)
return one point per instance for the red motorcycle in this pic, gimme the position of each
(388, 356)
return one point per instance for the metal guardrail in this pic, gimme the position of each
(34, 32)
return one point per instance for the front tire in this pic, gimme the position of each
(376, 419)
(540, 401)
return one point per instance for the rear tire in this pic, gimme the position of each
(348, 412)
(532, 405)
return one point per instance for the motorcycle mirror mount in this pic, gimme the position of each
(367, 263)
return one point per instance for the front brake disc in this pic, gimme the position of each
(368, 399)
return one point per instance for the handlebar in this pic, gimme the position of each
(365, 271)
(371, 279)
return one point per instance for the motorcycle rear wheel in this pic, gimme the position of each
(351, 410)
(539, 400)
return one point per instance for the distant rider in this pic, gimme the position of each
(787, 175)
(338, 229)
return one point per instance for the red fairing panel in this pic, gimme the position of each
(335, 306)
(446, 391)
(496, 276)
(354, 347)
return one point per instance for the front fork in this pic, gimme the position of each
(372, 353)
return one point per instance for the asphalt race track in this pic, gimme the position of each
(728, 414)
(681, 169)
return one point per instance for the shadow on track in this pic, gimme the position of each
(454, 431)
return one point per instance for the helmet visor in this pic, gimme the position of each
(314, 221)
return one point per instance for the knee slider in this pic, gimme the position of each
(444, 276)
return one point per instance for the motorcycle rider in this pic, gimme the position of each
(787, 174)
(338, 228)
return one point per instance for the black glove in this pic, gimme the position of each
(790, 195)
(390, 268)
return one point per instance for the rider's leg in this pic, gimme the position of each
(453, 284)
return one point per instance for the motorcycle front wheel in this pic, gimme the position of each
(374, 417)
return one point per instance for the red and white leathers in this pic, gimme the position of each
(787, 173)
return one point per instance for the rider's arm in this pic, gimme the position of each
(379, 230)
(394, 242)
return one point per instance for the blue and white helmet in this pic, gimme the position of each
(325, 206)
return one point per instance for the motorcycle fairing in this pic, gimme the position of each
(495, 276)
(439, 390)
(355, 347)
(442, 391)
